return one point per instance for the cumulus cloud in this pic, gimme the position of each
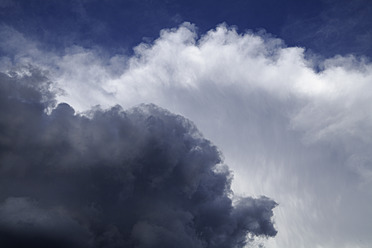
(113, 178)
(291, 126)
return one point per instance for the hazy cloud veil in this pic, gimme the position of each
(291, 126)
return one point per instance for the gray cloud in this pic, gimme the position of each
(113, 178)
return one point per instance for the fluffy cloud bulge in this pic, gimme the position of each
(291, 125)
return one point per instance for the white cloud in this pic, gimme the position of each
(294, 134)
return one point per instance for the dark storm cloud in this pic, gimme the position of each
(137, 178)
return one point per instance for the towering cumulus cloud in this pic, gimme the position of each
(113, 178)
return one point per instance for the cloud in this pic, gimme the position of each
(113, 178)
(25, 224)
(291, 126)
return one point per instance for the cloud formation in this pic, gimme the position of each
(113, 178)
(291, 126)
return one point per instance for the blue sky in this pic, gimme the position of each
(326, 27)
(283, 89)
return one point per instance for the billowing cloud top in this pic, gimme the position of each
(113, 178)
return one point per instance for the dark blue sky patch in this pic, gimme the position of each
(339, 27)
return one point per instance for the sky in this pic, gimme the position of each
(186, 123)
